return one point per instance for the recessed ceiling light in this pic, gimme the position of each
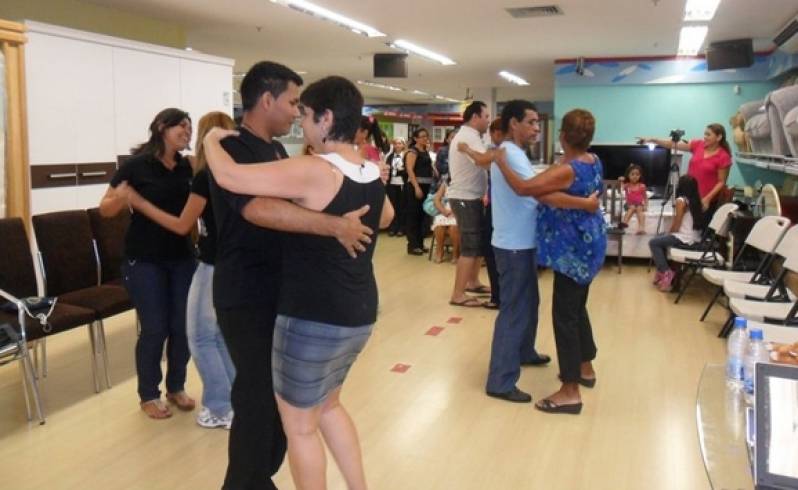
(416, 49)
(513, 78)
(700, 10)
(329, 15)
(691, 38)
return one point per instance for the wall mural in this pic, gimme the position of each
(658, 71)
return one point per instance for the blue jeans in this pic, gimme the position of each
(659, 250)
(158, 291)
(517, 323)
(207, 344)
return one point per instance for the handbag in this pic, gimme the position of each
(429, 205)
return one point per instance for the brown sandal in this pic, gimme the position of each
(181, 400)
(156, 409)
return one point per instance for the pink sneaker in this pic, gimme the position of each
(657, 278)
(666, 283)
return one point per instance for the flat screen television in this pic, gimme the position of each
(656, 163)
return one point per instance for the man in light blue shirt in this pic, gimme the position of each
(514, 227)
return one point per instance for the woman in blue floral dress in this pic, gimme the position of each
(573, 243)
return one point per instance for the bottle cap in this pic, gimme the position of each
(756, 334)
(740, 322)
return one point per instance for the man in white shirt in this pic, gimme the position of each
(468, 164)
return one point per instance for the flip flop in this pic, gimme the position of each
(479, 290)
(491, 305)
(549, 406)
(156, 409)
(468, 303)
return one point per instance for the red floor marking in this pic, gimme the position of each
(454, 319)
(434, 331)
(400, 368)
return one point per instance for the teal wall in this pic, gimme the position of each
(623, 112)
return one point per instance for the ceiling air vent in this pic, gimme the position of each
(540, 11)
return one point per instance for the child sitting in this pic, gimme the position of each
(636, 198)
(685, 230)
(444, 224)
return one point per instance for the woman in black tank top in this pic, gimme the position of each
(328, 301)
(419, 178)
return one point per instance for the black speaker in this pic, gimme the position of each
(738, 53)
(390, 65)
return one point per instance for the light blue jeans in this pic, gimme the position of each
(207, 345)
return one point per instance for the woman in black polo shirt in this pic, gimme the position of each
(158, 263)
(204, 336)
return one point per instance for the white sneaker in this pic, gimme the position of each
(210, 421)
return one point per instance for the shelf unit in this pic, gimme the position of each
(776, 163)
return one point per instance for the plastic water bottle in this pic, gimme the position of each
(757, 352)
(735, 349)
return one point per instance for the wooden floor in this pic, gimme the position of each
(431, 427)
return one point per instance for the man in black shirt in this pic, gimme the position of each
(247, 274)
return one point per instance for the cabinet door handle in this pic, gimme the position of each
(99, 173)
(62, 175)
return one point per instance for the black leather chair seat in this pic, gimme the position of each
(105, 301)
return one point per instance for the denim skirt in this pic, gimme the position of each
(311, 359)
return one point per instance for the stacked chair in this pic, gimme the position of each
(777, 308)
(765, 236)
(767, 301)
(708, 253)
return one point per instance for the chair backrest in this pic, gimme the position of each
(17, 275)
(65, 242)
(612, 200)
(722, 219)
(788, 246)
(767, 233)
(110, 236)
(791, 263)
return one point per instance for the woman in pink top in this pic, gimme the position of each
(367, 136)
(710, 162)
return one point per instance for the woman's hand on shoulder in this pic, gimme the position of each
(217, 134)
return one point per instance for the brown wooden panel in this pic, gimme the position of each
(62, 175)
(95, 173)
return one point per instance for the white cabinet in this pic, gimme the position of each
(53, 199)
(92, 97)
(205, 87)
(144, 84)
(70, 100)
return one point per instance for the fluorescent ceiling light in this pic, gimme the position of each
(380, 85)
(426, 53)
(334, 17)
(393, 88)
(700, 10)
(691, 38)
(513, 78)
